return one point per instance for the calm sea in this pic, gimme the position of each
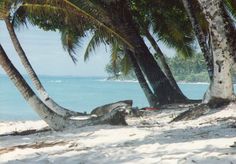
(79, 94)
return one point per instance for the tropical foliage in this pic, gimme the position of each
(123, 25)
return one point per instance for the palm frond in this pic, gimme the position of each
(94, 42)
(70, 42)
(126, 65)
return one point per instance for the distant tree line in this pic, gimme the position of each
(190, 69)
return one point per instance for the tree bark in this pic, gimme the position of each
(101, 110)
(33, 76)
(152, 99)
(221, 88)
(161, 57)
(188, 4)
(55, 121)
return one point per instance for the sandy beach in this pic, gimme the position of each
(148, 139)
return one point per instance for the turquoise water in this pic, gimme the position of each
(80, 94)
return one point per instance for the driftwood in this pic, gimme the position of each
(192, 113)
(122, 107)
(101, 110)
(26, 132)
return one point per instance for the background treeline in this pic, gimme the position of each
(191, 69)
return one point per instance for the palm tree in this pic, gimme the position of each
(146, 15)
(201, 34)
(6, 6)
(55, 121)
(152, 99)
(122, 26)
(221, 88)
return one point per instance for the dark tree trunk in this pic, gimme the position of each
(161, 57)
(152, 99)
(160, 84)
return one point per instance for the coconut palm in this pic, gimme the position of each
(222, 48)
(55, 121)
(146, 13)
(201, 32)
(6, 7)
(116, 22)
(121, 61)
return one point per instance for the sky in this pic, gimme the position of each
(45, 53)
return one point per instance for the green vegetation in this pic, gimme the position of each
(191, 69)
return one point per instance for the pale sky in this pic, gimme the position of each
(47, 56)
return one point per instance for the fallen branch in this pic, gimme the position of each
(26, 132)
(192, 113)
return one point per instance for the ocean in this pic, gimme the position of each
(80, 94)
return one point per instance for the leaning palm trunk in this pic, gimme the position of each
(162, 60)
(152, 99)
(221, 88)
(160, 84)
(188, 4)
(55, 121)
(38, 85)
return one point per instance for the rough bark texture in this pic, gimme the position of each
(192, 113)
(221, 88)
(152, 99)
(38, 85)
(101, 110)
(188, 4)
(55, 121)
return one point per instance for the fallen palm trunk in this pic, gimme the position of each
(101, 110)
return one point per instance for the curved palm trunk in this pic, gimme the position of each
(152, 100)
(221, 88)
(55, 121)
(200, 36)
(38, 85)
(162, 60)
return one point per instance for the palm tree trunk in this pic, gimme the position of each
(160, 84)
(38, 85)
(188, 4)
(152, 99)
(55, 121)
(221, 88)
(161, 57)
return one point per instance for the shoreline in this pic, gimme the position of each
(149, 139)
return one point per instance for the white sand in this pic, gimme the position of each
(150, 139)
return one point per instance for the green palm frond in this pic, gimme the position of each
(79, 5)
(70, 42)
(94, 42)
(126, 65)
